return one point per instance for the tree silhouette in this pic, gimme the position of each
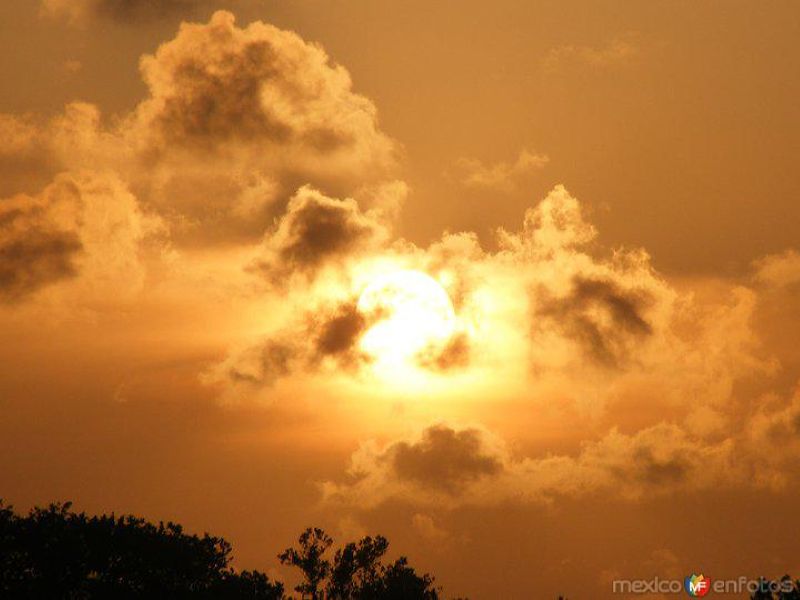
(356, 567)
(314, 542)
(785, 589)
(55, 553)
(401, 582)
(356, 572)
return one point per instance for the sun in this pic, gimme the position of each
(412, 313)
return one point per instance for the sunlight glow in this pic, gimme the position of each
(413, 313)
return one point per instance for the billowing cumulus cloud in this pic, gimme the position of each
(238, 119)
(235, 121)
(556, 224)
(449, 466)
(607, 333)
(443, 458)
(275, 186)
(217, 84)
(549, 309)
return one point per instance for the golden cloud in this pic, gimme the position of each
(274, 184)
(446, 466)
(83, 224)
(235, 122)
(498, 177)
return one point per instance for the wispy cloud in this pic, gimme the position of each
(497, 177)
(617, 52)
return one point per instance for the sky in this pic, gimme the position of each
(514, 284)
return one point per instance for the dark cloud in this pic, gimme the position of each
(83, 224)
(34, 250)
(207, 106)
(314, 231)
(454, 354)
(652, 470)
(31, 262)
(600, 316)
(339, 334)
(444, 458)
(264, 364)
(325, 334)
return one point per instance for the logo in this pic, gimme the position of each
(697, 586)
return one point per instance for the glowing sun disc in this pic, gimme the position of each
(412, 311)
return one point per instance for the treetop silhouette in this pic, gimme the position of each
(55, 553)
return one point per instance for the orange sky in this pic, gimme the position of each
(513, 284)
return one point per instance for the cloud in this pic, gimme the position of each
(624, 347)
(216, 84)
(441, 464)
(771, 442)
(237, 119)
(34, 250)
(447, 466)
(316, 231)
(443, 459)
(455, 353)
(426, 527)
(556, 224)
(606, 321)
(234, 122)
(619, 51)
(261, 365)
(325, 337)
(77, 11)
(499, 177)
(35, 150)
(73, 11)
(84, 226)
(549, 313)
(253, 148)
(779, 270)
(125, 10)
(26, 164)
(339, 333)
